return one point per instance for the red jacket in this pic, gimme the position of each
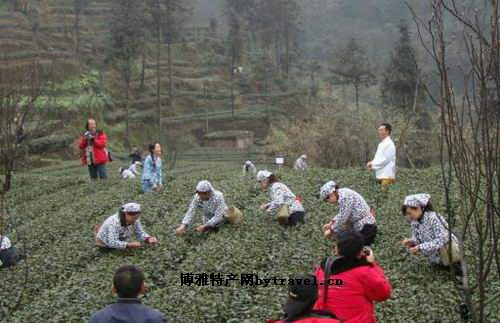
(353, 300)
(100, 152)
(310, 320)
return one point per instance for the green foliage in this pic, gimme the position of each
(399, 85)
(55, 209)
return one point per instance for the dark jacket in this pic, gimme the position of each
(127, 310)
(136, 156)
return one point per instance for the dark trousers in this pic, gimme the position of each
(9, 257)
(369, 232)
(95, 170)
(295, 218)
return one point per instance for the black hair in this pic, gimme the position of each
(427, 208)
(151, 148)
(273, 179)
(121, 216)
(350, 243)
(87, 125)
(128, 281)
(387, 127)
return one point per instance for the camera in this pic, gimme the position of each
(88, 135)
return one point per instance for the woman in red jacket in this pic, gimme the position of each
(93, 149)
(356, 281)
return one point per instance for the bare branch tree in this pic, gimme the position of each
(470, 140)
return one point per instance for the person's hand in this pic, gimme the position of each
(157, 188)
(201, 228)
(327, 226)
(181, 230)
(415, 249)
(152, 240)
(264, 207)
(370, 257)
(328, 233)
(369, 165)
(134, 245)
(408, 243)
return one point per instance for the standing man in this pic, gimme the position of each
(384, 163)
(93, 149)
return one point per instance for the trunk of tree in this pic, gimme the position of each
(287, 46)
(77, 33)
(158, 79)
(126, 136)
(356, 91)
(7, 179)
(170, 96)
(232, 86)
(143, 64)
(206, 107)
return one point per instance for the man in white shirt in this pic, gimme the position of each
(384, 163)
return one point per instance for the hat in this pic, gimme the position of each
(327, 189)
(131, 208)
(204, 186)
(303, 156)
(416, 200)
(300, 296)
(138, 163)
(263, 175)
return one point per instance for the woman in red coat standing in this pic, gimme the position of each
(355, 282)
(93, 149)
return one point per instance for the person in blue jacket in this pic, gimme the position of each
(152, 177)
(128, 284)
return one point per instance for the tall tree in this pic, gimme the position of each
(235, 39)
(401, 80)
(176, 14)
(352, 66)
(156, 26)
(79, 6)
(279, 23)
(125, 46)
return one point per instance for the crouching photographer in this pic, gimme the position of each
(93, 150)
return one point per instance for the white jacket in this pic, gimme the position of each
(384, 162)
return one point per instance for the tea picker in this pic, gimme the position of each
(215, 210)
(354, 212)
(430, 234)
(288, 207)
(300, 163)
(119, 228)
(249, 167)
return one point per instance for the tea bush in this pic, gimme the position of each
(55, 209)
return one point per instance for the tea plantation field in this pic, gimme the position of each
(56, 208)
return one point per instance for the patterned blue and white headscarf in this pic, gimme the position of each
(327, 189)
(417, 200)
(131, 208)
(263, 175)
(204, 186)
